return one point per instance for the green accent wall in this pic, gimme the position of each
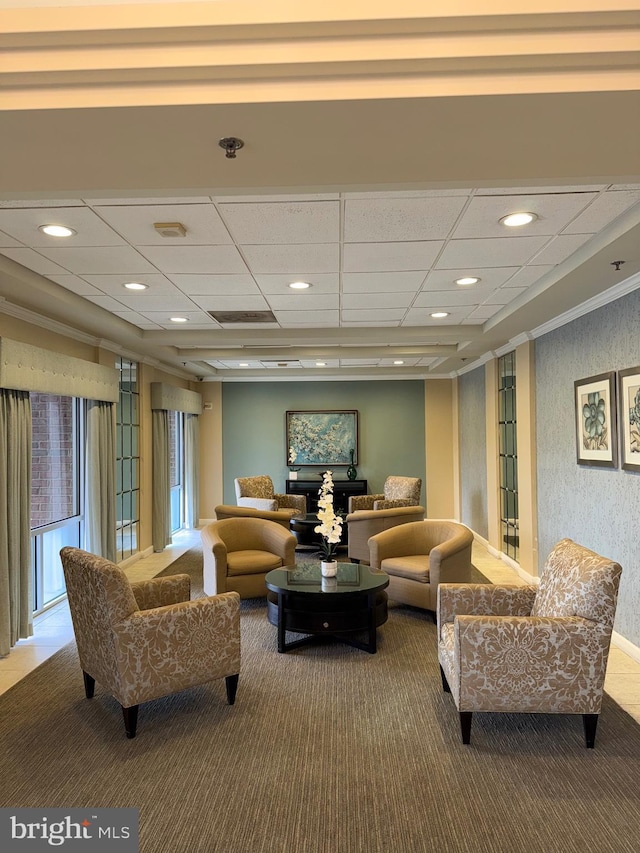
(390, 419)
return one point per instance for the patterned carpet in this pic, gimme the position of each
(327, 750)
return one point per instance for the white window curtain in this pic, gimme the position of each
(161, 514)
(100, 480)
(191, 470)
(16, 620)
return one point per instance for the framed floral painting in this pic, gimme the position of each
(322, 437)
(596, 434)
(629, 404)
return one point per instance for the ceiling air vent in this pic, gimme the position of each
(243, 316)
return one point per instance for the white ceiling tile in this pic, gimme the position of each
(399, 219)
(370, 282)
(505, 251)
(283, 197)
(625, 187)
(490, 277)
(42, 202)
(135, 222)
(308, 318)
(76, 284)
(90, 230)
(386, 194)
(106, 302)
(482, 216)
(382, 257)
(211, 285)
(34, 261)
(560, 248)
(121, 259)
(284, 222)
(482, 312)
(120, 202)
(369, 323)
(396, 299)
(289, 259)
(604, 210)
(7, 242)
(114, 285)
(504, 295)
(373, 315)
(256, 302)
(303, 301)
(551, 190)
(422, 316)
(527, 276)
(320, 282)
(195, 259)
(136, 319)
(149, 301)
(463, 296)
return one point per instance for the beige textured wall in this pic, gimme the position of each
(210, 448)
(527, 458)
(440, 431)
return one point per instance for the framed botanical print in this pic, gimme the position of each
(629, 408)
(596, 434)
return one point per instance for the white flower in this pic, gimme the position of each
(292, 455)
(330, 527)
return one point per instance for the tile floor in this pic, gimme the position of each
(52, 629)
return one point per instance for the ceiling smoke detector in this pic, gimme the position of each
(231, 144)
(170, 229)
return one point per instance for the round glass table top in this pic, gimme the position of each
(306, 576)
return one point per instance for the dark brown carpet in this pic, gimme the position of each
(327, 750)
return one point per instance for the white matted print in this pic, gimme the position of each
(596, 435)
(629, 402)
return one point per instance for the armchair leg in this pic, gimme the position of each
(89, 684)
(130, 720)
(589, 722)
(231, 682)
(465, 725)
(445, 683)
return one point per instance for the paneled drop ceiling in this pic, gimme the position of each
(379, 192)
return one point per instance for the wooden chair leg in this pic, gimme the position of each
(445, 683)
(89, 685)
(465, 725)
(590, 722)
(130, 720)
(231, 682)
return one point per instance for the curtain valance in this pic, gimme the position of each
(164, 396)
(24, 367)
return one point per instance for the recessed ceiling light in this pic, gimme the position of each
(398, 361)
(178, 319)
(467, 279)
(57, 230)
(136, 285)
(299, 285)
(321, 363)
(514, 220)
(244, 364)
(439, 314)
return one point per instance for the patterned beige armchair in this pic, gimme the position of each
(398, 491)
(257, 492)
(238, 553)
(531, 649)
(420, 556)
(144, 640)
(364, 524)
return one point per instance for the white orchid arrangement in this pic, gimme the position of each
(330, 527)
(292, 459)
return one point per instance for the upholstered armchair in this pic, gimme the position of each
(280, 516)
(364, 524)
(238, 553)
(528, 649)
(257, 492)
(144, 640)
(398, 491)
(421, 555)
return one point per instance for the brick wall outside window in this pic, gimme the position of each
(52, 466)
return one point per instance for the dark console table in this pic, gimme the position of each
(342, 491)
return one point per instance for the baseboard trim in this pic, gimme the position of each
(135, 557)
(625, 646)
(517, 568)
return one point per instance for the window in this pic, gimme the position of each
(508, 455)
(56, 517)
(176, 469)
(127, 461)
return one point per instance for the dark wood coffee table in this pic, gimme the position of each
(302, 601)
